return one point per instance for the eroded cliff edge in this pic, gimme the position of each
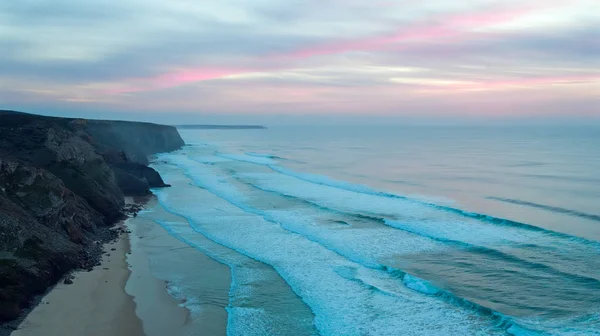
(62, 185)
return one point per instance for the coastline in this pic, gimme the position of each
(94, 304)
(62, 188)
(200, 283)
(160, 313)
(118, 297)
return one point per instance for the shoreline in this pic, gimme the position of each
(94, 304)
(200, 283)
(160, 313)
(120, 296)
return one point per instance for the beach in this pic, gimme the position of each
(200, 283)
(97, 303)
(256, 237)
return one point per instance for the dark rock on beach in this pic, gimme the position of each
(62, 186)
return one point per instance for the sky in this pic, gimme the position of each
(182, 61)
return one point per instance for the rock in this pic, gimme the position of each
(138, 140)
(68, 281)
(60, 191)
(131, 184)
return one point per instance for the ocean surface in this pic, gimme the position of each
(386, 230)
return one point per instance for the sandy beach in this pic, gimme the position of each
(97, 302)
(201, 282)
(159, 312)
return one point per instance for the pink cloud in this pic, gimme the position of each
(195, 75)
(371, 43)
(454, 26)
(175, 78)
(442, 27)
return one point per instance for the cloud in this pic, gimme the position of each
(451, 26)
(318, 55)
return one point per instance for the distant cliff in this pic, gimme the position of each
(62, 184)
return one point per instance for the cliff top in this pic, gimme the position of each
(23, 117)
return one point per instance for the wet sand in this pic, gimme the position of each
(152, 296)
(98, 304)
(196, 275)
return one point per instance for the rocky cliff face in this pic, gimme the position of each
(62, 184)
(138, 140)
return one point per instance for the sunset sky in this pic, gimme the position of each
(179, 59)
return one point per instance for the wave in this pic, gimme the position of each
(500, 321)
(508, 222)
(241, 318)
(409, 281)
(364, 262)
(326, 181)
(511, 325)
(362, 189)
(246, 208)
(399, 226)
(419, 285)
(498, 254)
(547, 207)
(162, 200)
(356, 215)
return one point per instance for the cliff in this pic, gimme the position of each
(62, 185)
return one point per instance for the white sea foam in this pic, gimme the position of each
(250, 279)
(419, 285)
(433, 223)
(403, 213)
(326, 181)
(341, 306)
(511, 267)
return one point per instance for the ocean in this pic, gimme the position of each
(384, 230)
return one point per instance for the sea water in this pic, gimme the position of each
(392, 230)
